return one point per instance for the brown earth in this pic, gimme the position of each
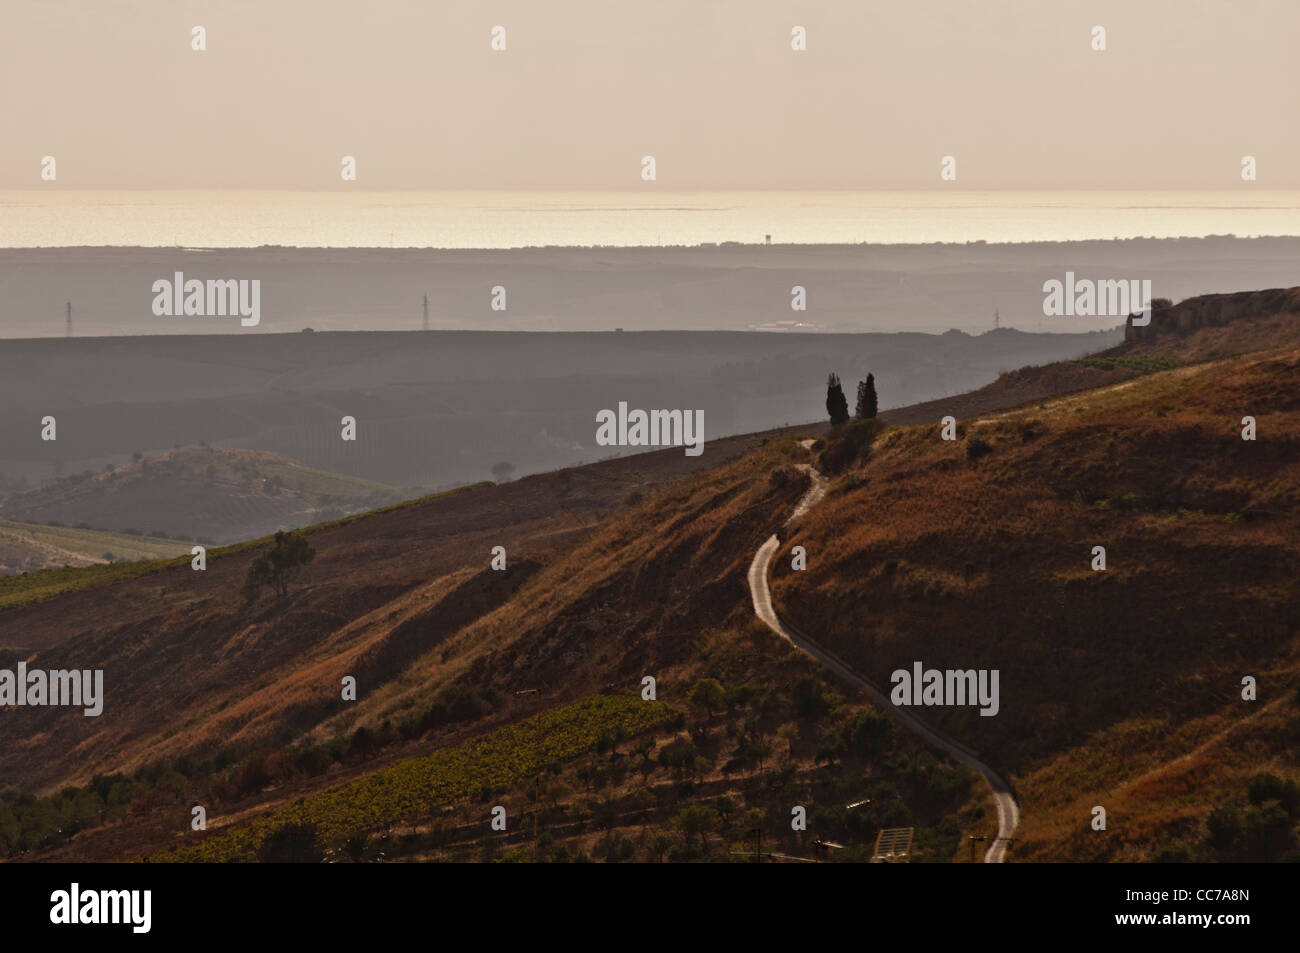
(920, 551)
(188, 666)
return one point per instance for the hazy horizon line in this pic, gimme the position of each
(610, 331)
(650, 190)
(701, 245)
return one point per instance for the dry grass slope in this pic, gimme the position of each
(927, 551)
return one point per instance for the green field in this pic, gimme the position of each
(1142, 363)
(37, 586)
(418, 787)
(90, 544)
(321, 483)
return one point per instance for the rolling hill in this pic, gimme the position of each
(209, 494)
(1120, 687)
(27, 547)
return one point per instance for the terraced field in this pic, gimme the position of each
(419, 786)
(26, 547)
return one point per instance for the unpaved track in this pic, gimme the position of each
(1008, 813)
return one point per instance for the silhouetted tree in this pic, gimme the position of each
(837, 405)
(867, 397)
(502, 471)
(277, 566)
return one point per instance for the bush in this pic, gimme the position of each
(313, 761)
(977, 447)
(363, 743)
(696, 820)
(810, 698)
(615, 847)
(869, 734)
(709, 695)
(276, 567)
(1269, 787)
(848, 445)
(1266, 830)
(677, 756)
(355, 846)
(1173, 853)
(291, 844)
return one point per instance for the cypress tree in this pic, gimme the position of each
(837, 404)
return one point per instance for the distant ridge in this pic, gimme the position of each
(1213, 310)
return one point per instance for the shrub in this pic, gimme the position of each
(869, 733)
(615, 847)
(1175, 852)
(977, 447)
(291, 843)
(696, 820)
(848, 445)
(810, 697)
(355, 845)
(709, 695)
(313, 761)
(363, 743)
(677, 756)
(1266, 830)
(1269, 787)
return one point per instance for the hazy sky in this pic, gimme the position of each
(711, 88)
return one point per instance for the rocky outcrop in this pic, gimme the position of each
(1207, 311)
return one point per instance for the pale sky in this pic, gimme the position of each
(710, 88)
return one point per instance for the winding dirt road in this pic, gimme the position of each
(1008, 813)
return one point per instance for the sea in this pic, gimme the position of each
(57, 217)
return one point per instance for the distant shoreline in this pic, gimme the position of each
(850, 289)
(809, 336)
(639, 219)
(702, 246)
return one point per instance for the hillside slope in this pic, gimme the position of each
(29, 547)
(257, 732)
(189, 667)
(211, 494)
(1119, 687)
(977, 553)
